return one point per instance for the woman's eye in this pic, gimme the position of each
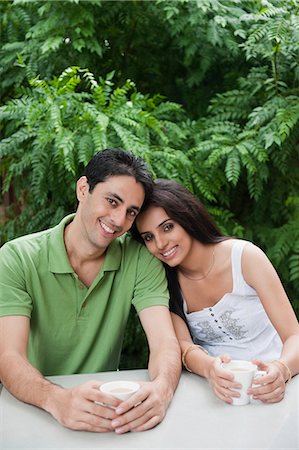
(147, 237)
(168, 227)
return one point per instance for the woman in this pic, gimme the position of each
(227, 301)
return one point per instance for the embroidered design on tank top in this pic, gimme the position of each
(226, 326)
(232, 326)
(206, 332)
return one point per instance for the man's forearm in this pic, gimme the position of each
(165, 364)
(25, 382)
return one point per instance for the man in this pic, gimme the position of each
(65, 296)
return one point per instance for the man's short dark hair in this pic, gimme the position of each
(115, 162)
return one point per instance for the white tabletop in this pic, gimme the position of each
(196, 419)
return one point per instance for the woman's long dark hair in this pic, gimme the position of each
(186, 210)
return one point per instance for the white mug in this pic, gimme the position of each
(243, 372)
(120, 389)
(258, 374)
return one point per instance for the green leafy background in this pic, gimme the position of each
(205, 91)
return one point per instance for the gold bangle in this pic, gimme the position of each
(188, 350)
(286, 367)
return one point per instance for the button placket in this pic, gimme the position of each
(82, 301)
(212, 314)
(81, 294)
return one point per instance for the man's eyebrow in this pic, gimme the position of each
(117, 197)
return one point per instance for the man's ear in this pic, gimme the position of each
(82, 188)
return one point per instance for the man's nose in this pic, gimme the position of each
(118, 217)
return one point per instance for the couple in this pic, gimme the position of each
(65, 296)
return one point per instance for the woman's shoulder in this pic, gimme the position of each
(247, 247)
(246, 252)
(255, 264)
(226, 247)
(252, 250)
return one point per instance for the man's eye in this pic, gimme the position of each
(111, 201)
(132, 213)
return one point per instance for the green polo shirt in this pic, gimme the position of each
(75, 329)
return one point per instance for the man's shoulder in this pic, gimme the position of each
(30, 243)
(23, 251)
(28, 240)
(34, 240)
(130, 246)
(126, 240)
(134, 250)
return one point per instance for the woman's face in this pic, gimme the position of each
(164, 237)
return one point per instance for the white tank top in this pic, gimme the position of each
(238, 324)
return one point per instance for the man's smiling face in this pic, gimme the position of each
(109, 210)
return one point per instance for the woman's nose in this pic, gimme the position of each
(161, 242)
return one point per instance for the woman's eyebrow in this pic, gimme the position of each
(158, 226)
(162, 223)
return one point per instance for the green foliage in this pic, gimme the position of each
(135, 354)
(226, 124)
(144, 41)
(55, 128)
(251, 135)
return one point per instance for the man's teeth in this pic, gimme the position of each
(169, 252)
(106, 228)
